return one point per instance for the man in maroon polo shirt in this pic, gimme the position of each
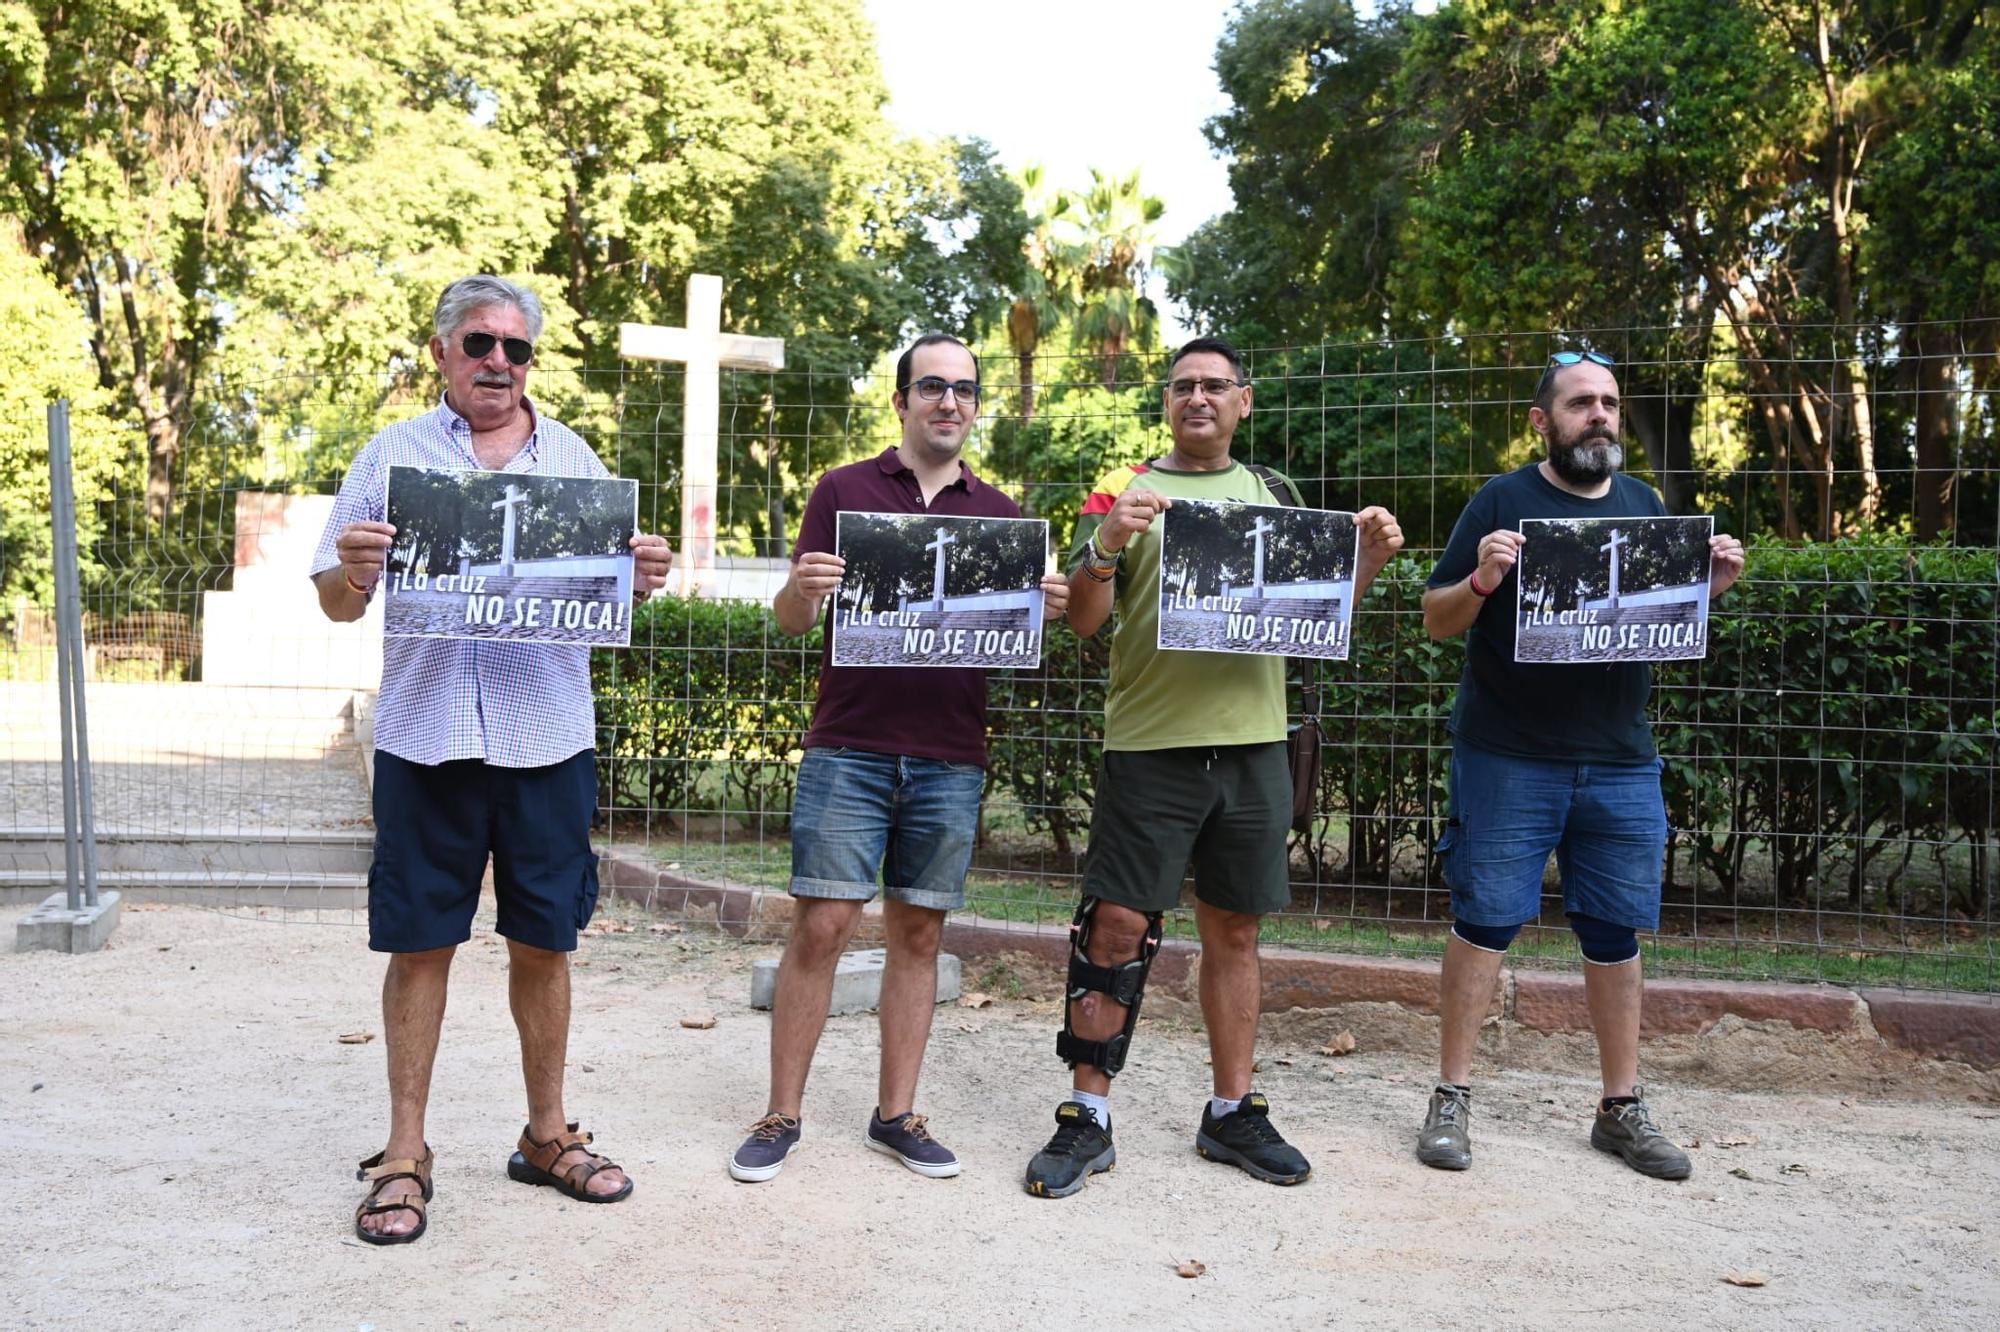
(889, 789)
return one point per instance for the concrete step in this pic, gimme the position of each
(252, 851)
(218, 721)
(345, 892)
(857, 981)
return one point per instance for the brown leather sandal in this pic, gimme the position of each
(535, 1163)
(379, 1172)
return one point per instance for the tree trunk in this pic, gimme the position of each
(1936, 382)
(1027, 359)
(1665, 427)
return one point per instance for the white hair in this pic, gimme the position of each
(458, 302)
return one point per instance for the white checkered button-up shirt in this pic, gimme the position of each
(514, 705)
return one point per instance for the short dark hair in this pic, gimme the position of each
(1195, 346)
(1545, 387)
(928, 340)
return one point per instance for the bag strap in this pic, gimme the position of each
(1308, 666)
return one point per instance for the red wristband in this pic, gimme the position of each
(354, 586)
(1472, 581)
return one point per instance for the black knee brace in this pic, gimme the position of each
(1124, 982)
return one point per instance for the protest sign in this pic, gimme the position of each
(511, 556)
(1257, 578)
(1612, 589)
(939, 590)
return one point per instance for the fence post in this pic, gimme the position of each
(78, 921)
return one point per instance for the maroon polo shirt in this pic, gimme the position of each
(935, 712)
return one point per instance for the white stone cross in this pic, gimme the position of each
(705, 350)
(937, 584)
(516, 497)
(1258, 531)
(1612, 546)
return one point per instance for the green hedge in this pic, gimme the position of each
(1838, 745)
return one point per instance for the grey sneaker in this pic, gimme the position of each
(763, 1154)
(1445, 1141)
(1629, 1131)
(909, 1140)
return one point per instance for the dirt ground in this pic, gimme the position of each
(183, 1121)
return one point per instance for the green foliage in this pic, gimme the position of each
(1081, 431)
(1644, 178)
(1846, 711)
(707, 710)
(43, 358)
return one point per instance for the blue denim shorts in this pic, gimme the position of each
(1606, 824)
(911, 821)
(435, 826)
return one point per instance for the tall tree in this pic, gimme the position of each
(45, 357)
(1634, 175)
(146, 141)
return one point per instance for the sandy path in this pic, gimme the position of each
(187, 1162)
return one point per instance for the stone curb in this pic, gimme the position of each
(1964, 1028)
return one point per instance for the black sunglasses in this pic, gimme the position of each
(479, 346)
(1563, 359)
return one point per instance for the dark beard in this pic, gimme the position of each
(1585, 462)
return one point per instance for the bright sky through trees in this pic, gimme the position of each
(1113, 84)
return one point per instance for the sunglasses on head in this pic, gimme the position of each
(1568, 358)
(479, 346)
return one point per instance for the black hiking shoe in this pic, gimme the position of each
(1245, 1138)
(1081, 1148)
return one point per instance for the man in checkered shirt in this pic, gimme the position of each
(482, 748)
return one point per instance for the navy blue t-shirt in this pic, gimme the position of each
(1587, 712)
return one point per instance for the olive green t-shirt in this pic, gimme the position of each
(1176, 699)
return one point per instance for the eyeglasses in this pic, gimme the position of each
(1214, 388)
(932, 389)
(479, 346)
(1564, 359)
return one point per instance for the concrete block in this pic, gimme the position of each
(52, 925)
(857, 980)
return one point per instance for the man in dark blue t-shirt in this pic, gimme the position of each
(1550, 759)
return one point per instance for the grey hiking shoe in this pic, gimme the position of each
(1629, 1131)
(1445, 1141)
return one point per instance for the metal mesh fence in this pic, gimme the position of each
(1830, 766)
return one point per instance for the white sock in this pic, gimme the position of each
(1099, 1106)
(1218, 1106)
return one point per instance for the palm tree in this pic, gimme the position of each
(1116, 218)
(1048, 292)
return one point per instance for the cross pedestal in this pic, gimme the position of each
(706, 351)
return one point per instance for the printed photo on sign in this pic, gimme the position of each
(925, 590)
(510, 556)
(1257, 578)
(1612, 589)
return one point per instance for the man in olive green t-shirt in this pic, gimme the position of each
(1194, 770)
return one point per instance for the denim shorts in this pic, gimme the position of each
(435, 825)
(859, 814)
(1606, 824)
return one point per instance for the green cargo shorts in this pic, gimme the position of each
(1226, 809)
